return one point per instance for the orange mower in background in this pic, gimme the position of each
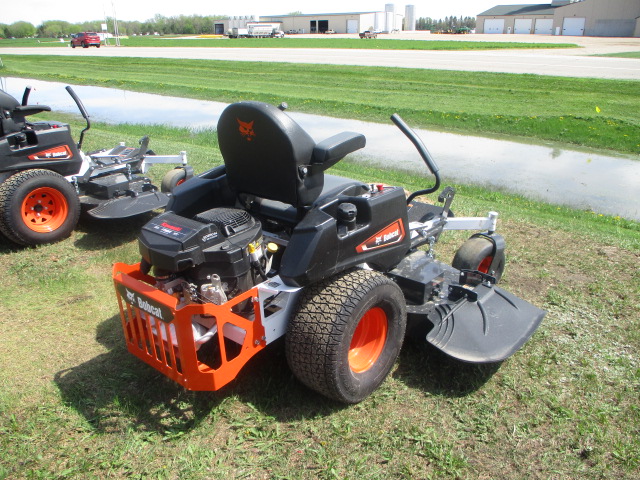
(269, 245)
(46, 179)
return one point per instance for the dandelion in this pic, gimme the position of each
(598, 109)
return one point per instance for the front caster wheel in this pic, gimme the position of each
(37, 206)
(172, 179)
(347, 334)
(477, 254)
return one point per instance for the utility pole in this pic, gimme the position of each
(116, 32)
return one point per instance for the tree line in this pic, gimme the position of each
(449, 24)
(181, 25)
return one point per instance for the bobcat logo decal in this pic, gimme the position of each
(246, 130)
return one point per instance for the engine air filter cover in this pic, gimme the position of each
(214, 241)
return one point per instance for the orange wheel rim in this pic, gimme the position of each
(44, 210)
(485, 265)
(368, 340)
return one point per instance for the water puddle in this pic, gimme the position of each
(608, 184)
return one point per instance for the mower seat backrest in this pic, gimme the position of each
(268, 155)
(12, 114)
(7, 105)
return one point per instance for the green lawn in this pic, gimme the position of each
(74, 404)
(622, 55)
(595, 113)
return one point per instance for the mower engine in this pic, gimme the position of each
(211, 258)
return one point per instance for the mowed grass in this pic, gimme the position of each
(75, 404)
(594, 113)
(380, 43)
(621, 55)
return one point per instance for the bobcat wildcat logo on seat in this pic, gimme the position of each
(246, 130)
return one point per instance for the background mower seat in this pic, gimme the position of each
(12, 114)
(271, 159)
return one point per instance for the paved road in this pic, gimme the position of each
(561, 63)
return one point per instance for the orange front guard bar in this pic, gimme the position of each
(159, 332)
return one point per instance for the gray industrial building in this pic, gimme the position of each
(595, 18)
(388, 20)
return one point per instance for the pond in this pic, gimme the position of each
(583, 179)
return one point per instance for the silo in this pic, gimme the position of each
(409, 18)
(391, 18)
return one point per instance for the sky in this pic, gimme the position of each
(37, 11)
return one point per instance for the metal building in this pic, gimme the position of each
(355, 22)
(596, 18)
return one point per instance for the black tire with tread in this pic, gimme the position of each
(471, 254)
(319, 336)
(12, 193)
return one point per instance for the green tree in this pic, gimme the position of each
(21, 30)
(55, 28)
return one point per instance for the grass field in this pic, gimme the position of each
(623, 55)
(595, 113)
(293, 42)
(74, 404)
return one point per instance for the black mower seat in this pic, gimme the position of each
(334, 186)
(12, 114)
(7, 102)
(269, 156)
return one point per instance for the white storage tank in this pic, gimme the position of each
(409, 18)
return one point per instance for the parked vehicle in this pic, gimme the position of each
(45, 178)
(268, 245)
(368, 34)
(85, 40)
(256, 31)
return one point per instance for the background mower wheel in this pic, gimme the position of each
(172, 179)
(477, 254)
(37, 206)
(347, 334)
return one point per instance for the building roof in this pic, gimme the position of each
(528, 9)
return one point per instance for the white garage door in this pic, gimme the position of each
(522, 25)
(494, 25)
(544, 26)
(573, 26)
(352, 26)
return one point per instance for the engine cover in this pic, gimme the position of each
(213, 242)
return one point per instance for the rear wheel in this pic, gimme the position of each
(84, 45)
(477, 254)
(37, 206)
(347, 334)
